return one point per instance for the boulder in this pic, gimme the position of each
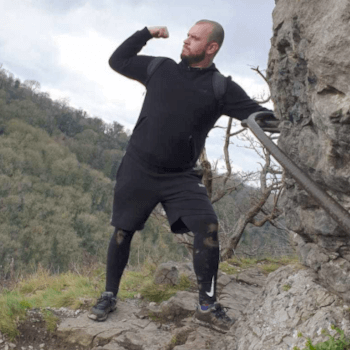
(167, 273)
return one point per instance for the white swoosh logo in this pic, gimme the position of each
(211, 293)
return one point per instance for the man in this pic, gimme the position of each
(179, 110)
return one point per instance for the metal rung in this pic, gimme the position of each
(333, 208)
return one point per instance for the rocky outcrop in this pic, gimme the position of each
(278, 312)
(309, 75)
(148, 326)
(292, 303)
(274, 312)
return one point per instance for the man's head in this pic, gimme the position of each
(203, 42)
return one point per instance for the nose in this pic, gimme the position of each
(186, 41)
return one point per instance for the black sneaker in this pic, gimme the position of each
(213, 316)
(105, 304)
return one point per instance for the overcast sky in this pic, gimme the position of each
(65, 46)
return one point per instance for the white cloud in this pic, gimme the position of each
(66, 45)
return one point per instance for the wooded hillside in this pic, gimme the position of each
(57, 173)
(56, 170)
(93, 141)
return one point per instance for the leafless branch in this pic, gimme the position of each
(238, 132)
(263, 76)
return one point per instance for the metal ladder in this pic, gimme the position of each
(333, 208)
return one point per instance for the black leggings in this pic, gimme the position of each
(205, 255)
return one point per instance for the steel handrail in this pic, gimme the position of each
(333, 208)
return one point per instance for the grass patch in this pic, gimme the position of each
(43, 290)
(270, 267)
(51, 320)
(265, 265)
(243, 263)
(228, 268)
(75, 291)
(12, 310)
(142, 281)
(161, 292)
(339, 342)
(283, 260)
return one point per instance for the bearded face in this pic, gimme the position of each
(196, 44)
(192, 59)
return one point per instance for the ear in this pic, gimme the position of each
(212, 47)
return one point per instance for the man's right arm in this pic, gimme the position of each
(125, 60)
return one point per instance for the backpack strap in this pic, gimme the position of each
(153, 65)
(219, 81)
(219, 86)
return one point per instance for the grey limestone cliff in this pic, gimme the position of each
(309, 76)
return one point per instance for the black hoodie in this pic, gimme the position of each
(179, 108)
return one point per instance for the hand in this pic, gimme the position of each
(159, 32)
(269, 123)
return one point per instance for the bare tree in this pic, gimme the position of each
(260, 211)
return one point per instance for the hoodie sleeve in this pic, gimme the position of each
(125, 60)
(237, 104)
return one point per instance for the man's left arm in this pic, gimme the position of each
(237, 104)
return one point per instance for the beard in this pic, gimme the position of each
(192, 59)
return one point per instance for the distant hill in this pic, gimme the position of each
(53, 209)
(94, 142)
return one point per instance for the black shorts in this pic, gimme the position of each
(138, 191)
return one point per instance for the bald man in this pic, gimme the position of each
(179, 110)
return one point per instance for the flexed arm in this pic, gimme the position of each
(125, 59)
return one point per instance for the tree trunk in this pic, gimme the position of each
(240, 226)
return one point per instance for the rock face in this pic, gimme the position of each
(166, 326)
(270, 316)
(291, 303)
(309, 76)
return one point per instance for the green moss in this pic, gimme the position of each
(184, 283)
(243, 262)
(268, 268)
(161, 292)
(228, 268)
(50, 319)
(286, 287)
(338, 342)
(157, 293)
(179, 339)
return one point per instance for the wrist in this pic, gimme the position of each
(147, 32)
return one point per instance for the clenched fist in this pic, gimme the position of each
(159, 32)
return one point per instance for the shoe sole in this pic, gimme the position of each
(103, 318)
(209, 325)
